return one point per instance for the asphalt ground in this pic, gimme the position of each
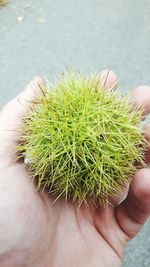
(45, 37)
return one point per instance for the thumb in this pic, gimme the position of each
(11, 116)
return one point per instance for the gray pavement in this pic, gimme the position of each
(44, 37)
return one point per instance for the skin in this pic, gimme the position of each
(36, 232)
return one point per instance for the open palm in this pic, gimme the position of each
(35, 232)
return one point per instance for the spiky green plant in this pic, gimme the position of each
(81, 140)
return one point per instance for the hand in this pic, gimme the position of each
(35, 233)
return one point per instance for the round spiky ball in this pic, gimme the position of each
(82, 140)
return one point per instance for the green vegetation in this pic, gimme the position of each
(81, 142)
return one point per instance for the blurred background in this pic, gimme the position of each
(45, 37)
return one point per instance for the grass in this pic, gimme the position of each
(82, 142)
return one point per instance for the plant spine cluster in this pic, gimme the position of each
(81, 140)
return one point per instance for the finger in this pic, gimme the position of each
(108, 78)
(141, 98)
(147, 137)
(11, 116)
(119, 197)
(147, 131)
(133, 212)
